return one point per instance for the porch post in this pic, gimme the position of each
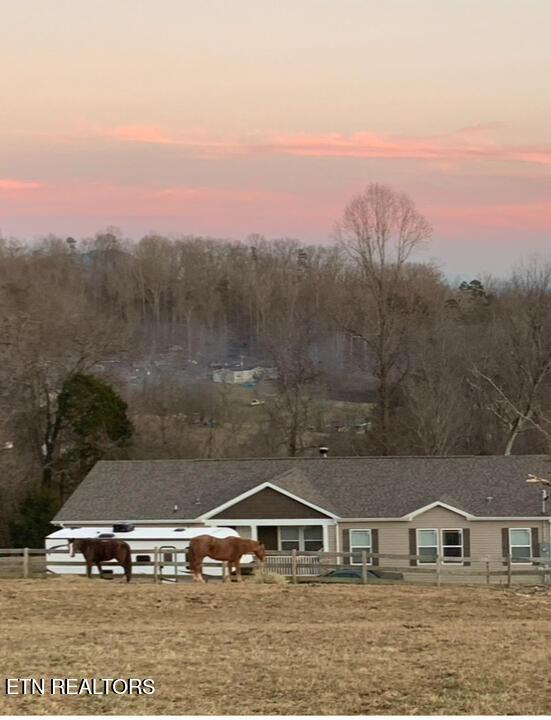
(325, 538)
(254, 532)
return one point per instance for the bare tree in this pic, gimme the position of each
(379, 231)
(514, 372)
(291, 333)
(436, 408)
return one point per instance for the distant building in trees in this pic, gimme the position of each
(240, 376)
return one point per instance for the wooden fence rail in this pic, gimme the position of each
(167, 565)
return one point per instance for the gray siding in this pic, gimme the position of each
(332, 532)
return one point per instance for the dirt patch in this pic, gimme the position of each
(271, 649)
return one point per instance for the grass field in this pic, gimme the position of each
(272, 649)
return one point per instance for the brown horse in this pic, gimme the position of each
(96, 551)
(229, 549)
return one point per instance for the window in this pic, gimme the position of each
(427, 545)
(448, 543)
(360, 540)
(452, 545)
(290, 539)
(167, 557)
(308, 538)
(143, 558)
(313, 537)
(520, 544)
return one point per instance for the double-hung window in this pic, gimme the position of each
(520, 545)
(427, 545)
(360, 540)
(448, 543)
(290, 538)
(312, 537)
(452, 545)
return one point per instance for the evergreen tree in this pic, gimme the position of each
(33, 523)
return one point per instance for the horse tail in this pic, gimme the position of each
(127, 561)
(190, 557)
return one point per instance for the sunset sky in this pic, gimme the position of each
(231, 117)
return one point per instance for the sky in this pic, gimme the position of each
(228, 118)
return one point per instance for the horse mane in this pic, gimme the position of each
(248, 541)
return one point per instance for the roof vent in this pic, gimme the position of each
(123, 527)
(489, 498)
(324, 450)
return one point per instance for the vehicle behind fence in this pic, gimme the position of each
(301, 566)
(297, 566)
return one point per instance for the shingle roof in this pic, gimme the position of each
(348, 487)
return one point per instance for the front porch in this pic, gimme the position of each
(285, 535)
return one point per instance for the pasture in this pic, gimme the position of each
(279, 649)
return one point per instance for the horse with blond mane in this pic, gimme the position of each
(230, 550)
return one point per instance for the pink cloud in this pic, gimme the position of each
(467, 144)
(106, 199)
(183, 192)
(435, 149)
(216, 211)
(140, 134)
(231, 211)
(196, 140)
(8, 185)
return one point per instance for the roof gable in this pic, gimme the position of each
(267, 501)
(438, 504)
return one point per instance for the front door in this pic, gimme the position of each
(267, 534)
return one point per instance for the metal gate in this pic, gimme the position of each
(168, 563)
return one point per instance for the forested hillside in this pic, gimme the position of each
(108, 347)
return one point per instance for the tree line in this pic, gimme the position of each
(450, 369)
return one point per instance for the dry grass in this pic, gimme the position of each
(272, 649)
(269, 578)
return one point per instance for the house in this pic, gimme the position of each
(238, 376)
(268, 373)
(456, 507)
(234, 376)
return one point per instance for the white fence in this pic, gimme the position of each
(305, 565)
